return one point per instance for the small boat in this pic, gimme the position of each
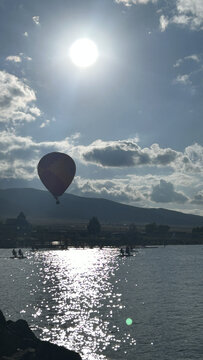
(151, 247)
(18, 257)
(125, 255)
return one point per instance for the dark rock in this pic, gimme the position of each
(9, 342)
(2, 321)
(28, 354)
(49, 351)
(18, 342)
(21, 329)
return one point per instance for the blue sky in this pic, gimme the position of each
(132, 121)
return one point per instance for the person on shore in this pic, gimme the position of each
(14, 253)
(20, 253)
(127, 250)
(122, 251)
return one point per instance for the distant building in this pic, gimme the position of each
(15, 231)
(19, 223)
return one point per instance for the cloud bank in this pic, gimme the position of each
(188, 13)
(184, 12)
(198, 198)
(116, 189)
(17, 100)
(126, 153)
(165, 193)
(20, 155)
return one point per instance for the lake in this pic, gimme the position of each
(81, 298)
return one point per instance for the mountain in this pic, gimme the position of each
(38, 204)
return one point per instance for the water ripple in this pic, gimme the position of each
(82, 298)
(79, 299)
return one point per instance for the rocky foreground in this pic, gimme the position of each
(18, 342)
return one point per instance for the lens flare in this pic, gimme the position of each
(129, 321)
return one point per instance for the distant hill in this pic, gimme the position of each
(38, 204)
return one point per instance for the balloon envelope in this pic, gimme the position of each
(56, 171)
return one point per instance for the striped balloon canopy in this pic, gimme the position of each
(56, 171)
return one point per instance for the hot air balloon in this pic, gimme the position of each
(56, 171)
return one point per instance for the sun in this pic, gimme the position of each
(83, 53)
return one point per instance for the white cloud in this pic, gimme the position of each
(125, 153)
(137, 190)
(18, 58)
(45, 123)
(25, 57)
(193, 57)
(14, 58)
(192, 10)
(195, 155)
(180, 20)
(178, 63)
(198, 198)
(134, 2)
(190, 78)
(190, 161)
(188, 13)
(121, 190)
(36, 20)
(184, 12)
(163, 22)
(34, 110)
(16, 100)
(164, 192)
(128, 154)
(183, 79)
(20, 155)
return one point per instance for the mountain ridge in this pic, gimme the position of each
(37, 204)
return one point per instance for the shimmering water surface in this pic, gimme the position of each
(81, 298)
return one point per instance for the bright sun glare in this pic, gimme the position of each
(83, 52)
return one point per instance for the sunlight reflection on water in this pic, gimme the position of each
(82, 298)
(79, 299)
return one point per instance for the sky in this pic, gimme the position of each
(132, 121)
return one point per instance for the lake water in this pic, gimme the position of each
(81, 298)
